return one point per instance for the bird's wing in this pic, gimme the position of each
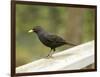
(55, 38)
(58, 39)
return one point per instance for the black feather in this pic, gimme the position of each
(48, 39)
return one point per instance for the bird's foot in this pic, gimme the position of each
(49, 56)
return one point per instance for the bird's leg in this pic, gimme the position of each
(49, 53)
(53, 51)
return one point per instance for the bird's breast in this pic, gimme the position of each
(44, 40)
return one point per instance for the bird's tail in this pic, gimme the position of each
(70, 44)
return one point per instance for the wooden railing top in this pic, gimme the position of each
(70, 59)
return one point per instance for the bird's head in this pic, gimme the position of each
(36, 29)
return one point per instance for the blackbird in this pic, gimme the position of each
(48, 39)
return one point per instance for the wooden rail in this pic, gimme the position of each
(77, 57)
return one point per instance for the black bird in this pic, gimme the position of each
(48, 39)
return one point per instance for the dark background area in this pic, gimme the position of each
(75, 25)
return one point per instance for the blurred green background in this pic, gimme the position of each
(75, 25)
